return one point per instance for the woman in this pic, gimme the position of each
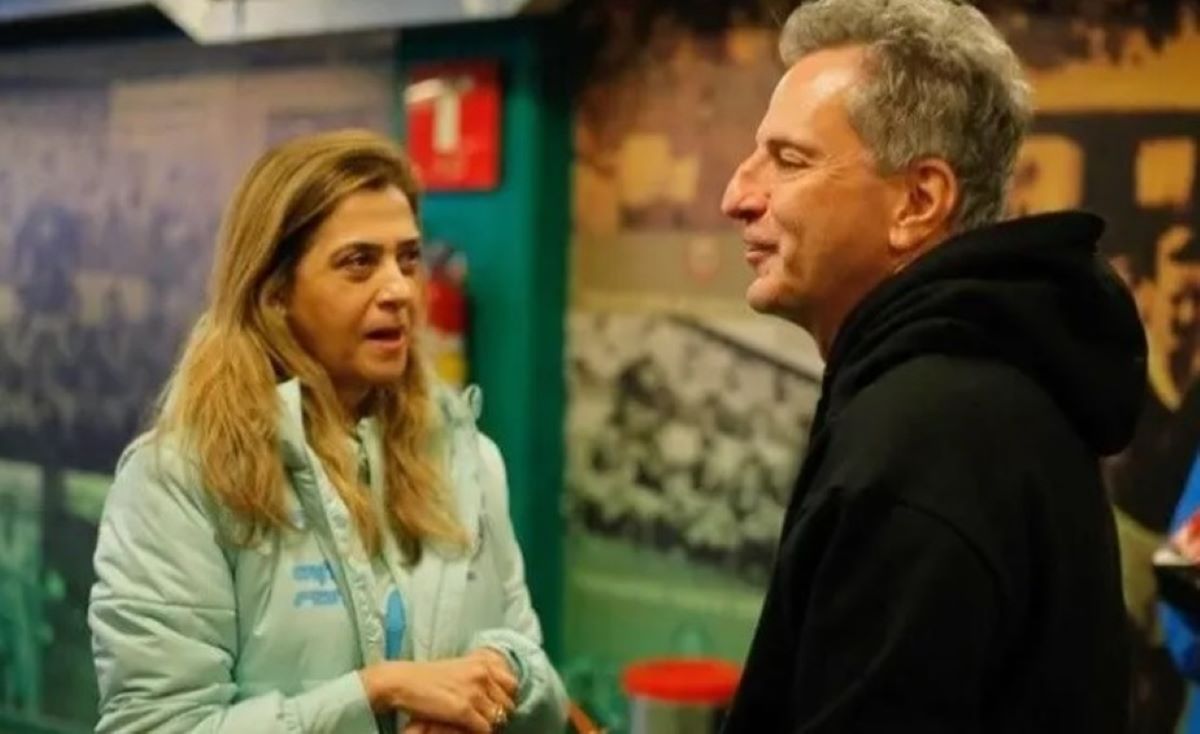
(314, 537)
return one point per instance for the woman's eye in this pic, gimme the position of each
(358, 261)
(409, 260)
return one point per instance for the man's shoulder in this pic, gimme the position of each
(940, 395)
(947, 437)
(938, 430)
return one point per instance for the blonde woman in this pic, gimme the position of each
(314, 537)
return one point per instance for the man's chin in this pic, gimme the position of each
(767, 300)
(762, 298)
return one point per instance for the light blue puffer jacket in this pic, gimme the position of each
(191, 635)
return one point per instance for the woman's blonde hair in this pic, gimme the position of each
(221, 400)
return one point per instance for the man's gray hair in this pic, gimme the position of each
(941, 82)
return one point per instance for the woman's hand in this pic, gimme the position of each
(504, 681)
(473, 693)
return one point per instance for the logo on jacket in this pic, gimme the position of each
(318, 587)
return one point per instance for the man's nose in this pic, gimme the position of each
(746, 195)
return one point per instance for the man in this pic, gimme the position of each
(948, 560)
(1148, 478)
(1147, 484)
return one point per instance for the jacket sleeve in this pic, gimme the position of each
(164, 621)
(541, 698)
(897, 628)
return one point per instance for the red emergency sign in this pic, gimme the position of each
(453, 111)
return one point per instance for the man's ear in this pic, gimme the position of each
(928, 198)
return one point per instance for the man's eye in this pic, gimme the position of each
(790, 162)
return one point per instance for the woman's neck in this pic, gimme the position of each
(355, 402)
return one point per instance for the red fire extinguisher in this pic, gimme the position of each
(446, 301)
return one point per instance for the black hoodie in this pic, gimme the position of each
(948, 560)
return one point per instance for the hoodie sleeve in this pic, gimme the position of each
(164, 622)
(541, 699)
(897, 626)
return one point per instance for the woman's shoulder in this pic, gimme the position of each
(155, 454)
(459, 411)
(492, 462)
(160, 534)
(455, 407)
(155, 475)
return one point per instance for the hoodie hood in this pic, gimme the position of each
(1030, 292)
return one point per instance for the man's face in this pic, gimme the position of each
(1175, 313)
(815, 214)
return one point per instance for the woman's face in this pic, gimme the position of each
(353, 297)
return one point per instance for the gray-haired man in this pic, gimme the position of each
(948, 560)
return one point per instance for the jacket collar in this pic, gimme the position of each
(438, 581)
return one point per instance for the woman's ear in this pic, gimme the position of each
(276, 294)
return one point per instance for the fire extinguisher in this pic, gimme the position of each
(446, 301)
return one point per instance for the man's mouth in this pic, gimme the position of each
(757, 254)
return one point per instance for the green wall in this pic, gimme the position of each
(516, 242)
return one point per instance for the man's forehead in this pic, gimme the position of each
(824, 71)
(812, 83)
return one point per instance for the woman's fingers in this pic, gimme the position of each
(502, 698)
(499, 670)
